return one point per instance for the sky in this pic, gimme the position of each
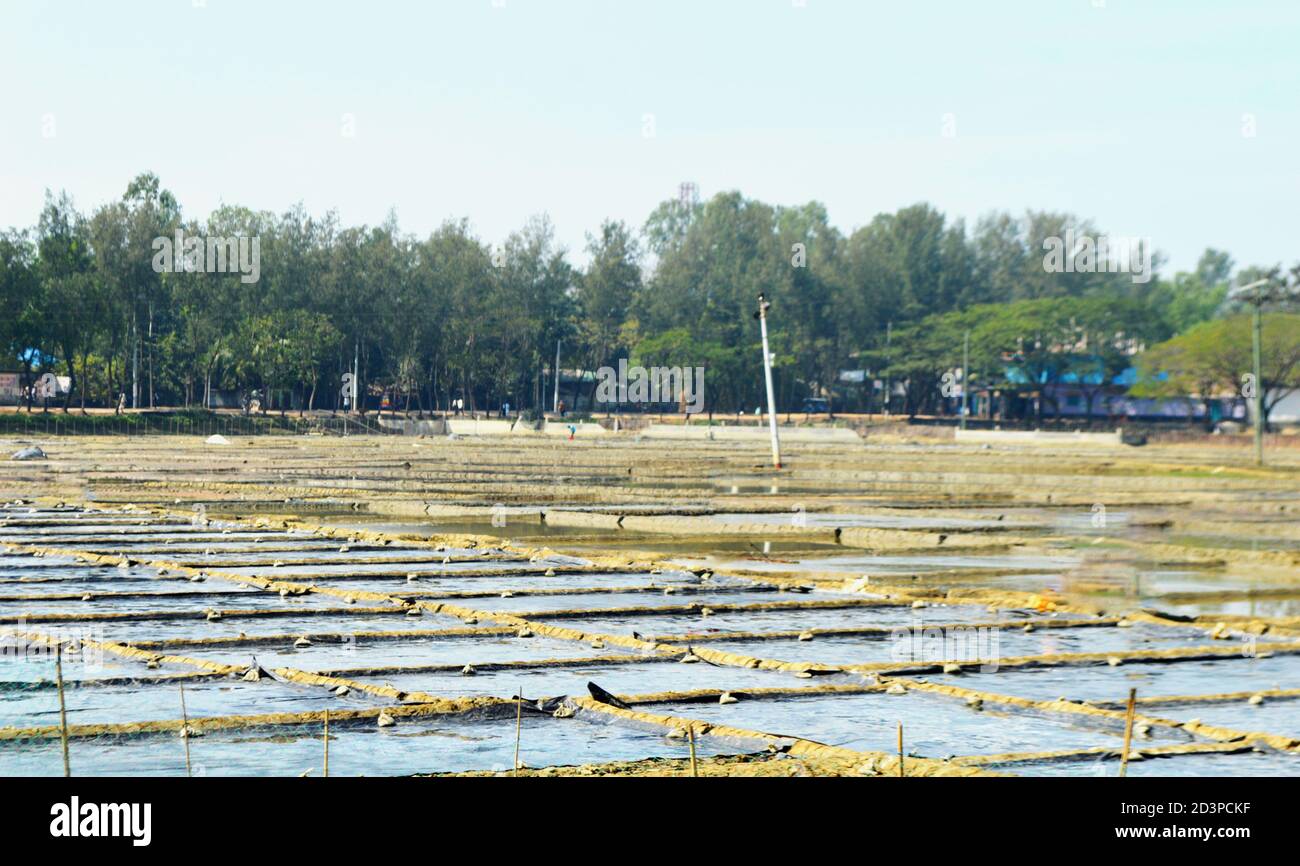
(1174, 120)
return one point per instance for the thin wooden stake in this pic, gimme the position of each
(900, 751)
(185, 733)
(1128, 732)
(695, 770)
(519, 724)
(63, 708)
(327, 744)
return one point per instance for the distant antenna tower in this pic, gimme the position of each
(688, 193)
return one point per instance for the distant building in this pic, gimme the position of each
(1088, 397)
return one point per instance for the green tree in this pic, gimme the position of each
(1213, 359)
(606, 293)
(68, 300)
(20, 303)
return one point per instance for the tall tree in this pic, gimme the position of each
(69, 300)
(607, 292)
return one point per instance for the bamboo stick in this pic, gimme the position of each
(519, 723)
(63, 707)
(1128, 732)
(185, 733)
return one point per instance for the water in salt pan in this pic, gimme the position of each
(1269, 763)
(875, 616)
(966, 643)
(362, 652)
(116, 704)
(621, 679)
(453, 744)
(933, 726)
(1103, 682)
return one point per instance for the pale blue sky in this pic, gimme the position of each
(1130, 114)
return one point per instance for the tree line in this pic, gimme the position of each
(427, 320)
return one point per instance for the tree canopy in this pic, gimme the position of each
(1214, 358)
(429, 319)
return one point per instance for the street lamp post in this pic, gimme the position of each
(1256, 295)
(889, 359)
(965, 378)
(1259, 385)
(763, 306)
(555, 402)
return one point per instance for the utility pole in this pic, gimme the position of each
(135, 367)
(1259, 387)
(965, 378)
(356, 374)
(763, 306)
(555, 401)
(1256, 294)
(889, 383)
